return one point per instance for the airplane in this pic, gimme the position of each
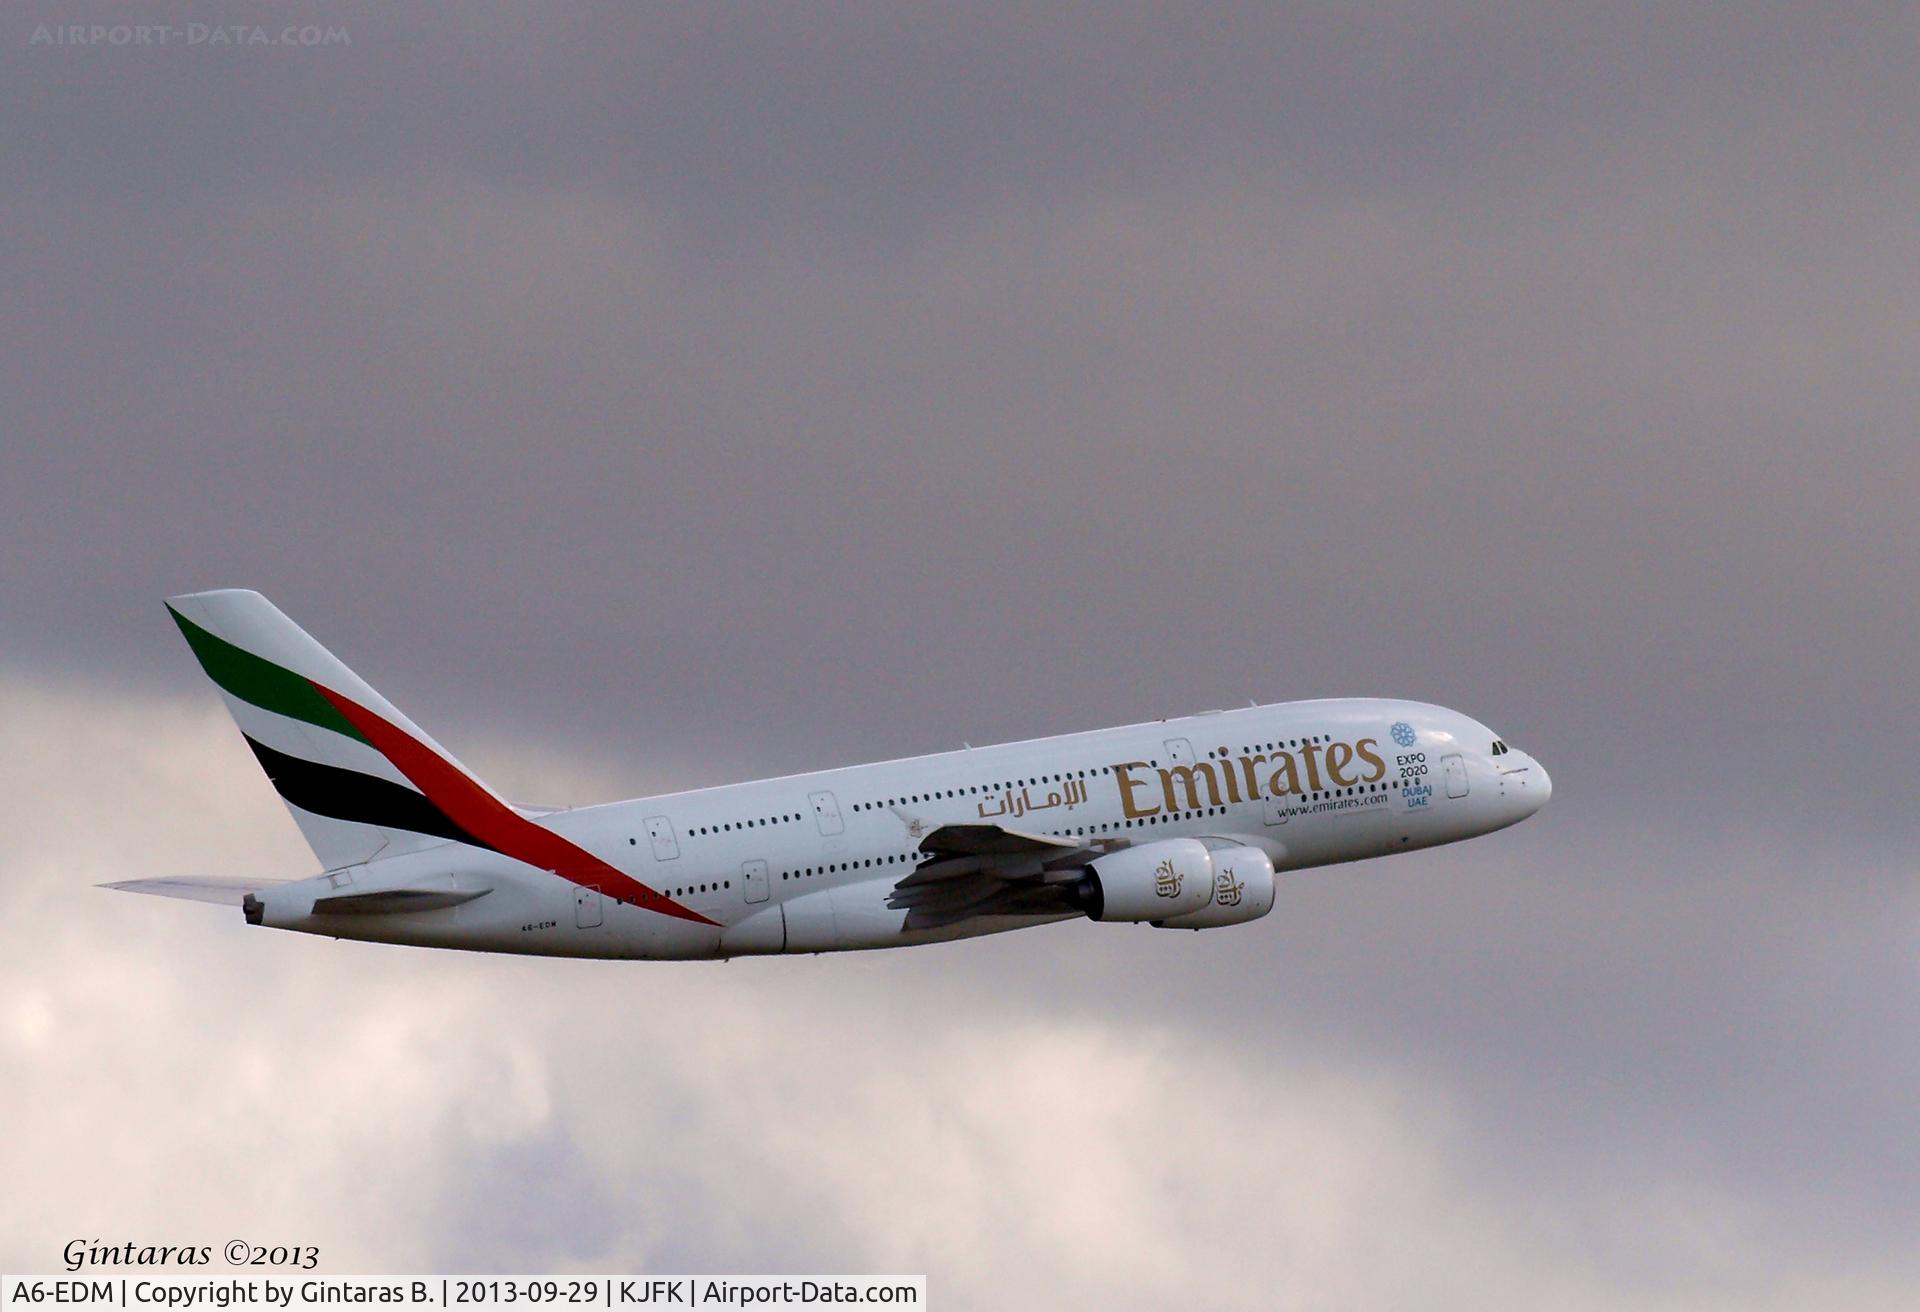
(1177, 823)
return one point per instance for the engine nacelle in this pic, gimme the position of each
(1155, 881)
(1242, 890)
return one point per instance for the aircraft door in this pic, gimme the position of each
(1179, 751)
(1456, 769)
(586, 906)
(826, 812)
(660, 832)
(753, 879)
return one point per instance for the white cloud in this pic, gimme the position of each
(174, 1076)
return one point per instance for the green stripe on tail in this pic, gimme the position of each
(260, 682)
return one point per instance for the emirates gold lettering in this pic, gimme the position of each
(1239, 778)
(1127, 784)
(1378, 771)
(1229, 777)
(1313, 767)
(1250, 767)
(1283, 780)
(1190, 776)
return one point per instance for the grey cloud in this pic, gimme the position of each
(664, 398)
(874, 118)
(1151, 420)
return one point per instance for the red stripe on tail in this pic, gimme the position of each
(497, 825)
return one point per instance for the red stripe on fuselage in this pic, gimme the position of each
(494, 823)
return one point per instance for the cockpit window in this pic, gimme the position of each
(1499, 748)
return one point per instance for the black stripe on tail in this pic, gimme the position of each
(342, 794)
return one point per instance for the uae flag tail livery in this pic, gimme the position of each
(367, 786)
(360, 778)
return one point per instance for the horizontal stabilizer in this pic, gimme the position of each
(197, 888)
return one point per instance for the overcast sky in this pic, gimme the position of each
(662, 397)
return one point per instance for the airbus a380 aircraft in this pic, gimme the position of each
(1178, 823)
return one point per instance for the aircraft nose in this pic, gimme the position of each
(1526, 786)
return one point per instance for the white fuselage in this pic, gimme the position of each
(807, 863)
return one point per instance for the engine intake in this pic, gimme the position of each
(1155, 881)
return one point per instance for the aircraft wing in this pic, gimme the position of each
(992, 841)
(222, 890)
(988, 870)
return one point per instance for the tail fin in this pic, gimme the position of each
(361, 780)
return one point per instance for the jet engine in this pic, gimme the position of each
(1155, 881)
(1242, 889)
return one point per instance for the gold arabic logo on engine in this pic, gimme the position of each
(1227, 890)
(1167, 880)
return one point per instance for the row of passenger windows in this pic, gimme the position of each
(700, 830)
(981, 790)
(809, 872)
(896, 858)
(744, 824)
(1275, 746)
(700, 888)
(977, 790)
(1164, 818)
(1168, 817)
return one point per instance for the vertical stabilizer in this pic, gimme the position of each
(326, 739)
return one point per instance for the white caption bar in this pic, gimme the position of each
(174, 1292)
